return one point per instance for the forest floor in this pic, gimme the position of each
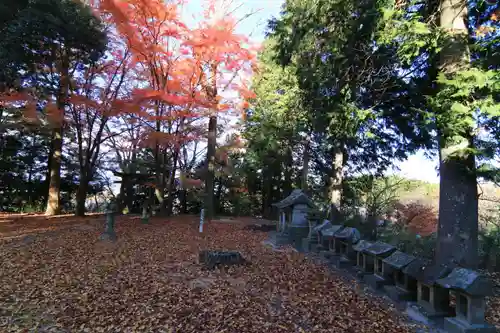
(56, 276)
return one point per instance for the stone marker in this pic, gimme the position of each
(405, 287)
(145, 213)
(432, 299)
(377, 253)
(470, 289)
(109, 231)
(211, 259)
(363, 264)
(202, 217)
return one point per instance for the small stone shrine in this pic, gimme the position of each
(317, 232)
(377, 253)
(405, 287)
(311, 242)
(363, 263)
(211, 259)
(470, 289)
(344, 240)
(326, 236)
(432, 299)
(293, 216)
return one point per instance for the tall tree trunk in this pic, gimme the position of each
(218, 197)
(183, 199)
(81, 193)
(209, 180)
(211, 145)
(269, 193)
(122, 195)
(276, 183)
(53, 200)
(305, 165)
(336, 183)
(287, 186)
(266, 192)
(159, 190)
(458, 199)
(171, 184)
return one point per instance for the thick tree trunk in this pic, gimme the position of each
(122, 196)
(183, 199)
(218, 198)
(458, 199)
(267, 188)
(53, 200)
(81, 194)
(209, 180)
(211, 145)
(305, 165)
(336, 183)
(287, 186)
(171, 185)
(458, 211)
(160, 186)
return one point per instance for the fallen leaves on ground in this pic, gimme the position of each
(493, 303)
(150, 281)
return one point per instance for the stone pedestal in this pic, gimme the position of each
(109, 231)
(375, 281)
(296, 234)
(470, 289)
(398, 294)
(306, 245)
(341, 262)
(434, 301)
(458, 325)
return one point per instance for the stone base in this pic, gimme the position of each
(398, 294)
(281, 239)
(455, 325)
(308, 245)
(341, 262)
(374, 281)
(430, 312)
(326, 254)
(315, 247)
(108, 237)
(359, 272)
(296, 234)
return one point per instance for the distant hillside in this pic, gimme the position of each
(427, 194)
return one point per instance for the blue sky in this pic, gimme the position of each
(416, 167)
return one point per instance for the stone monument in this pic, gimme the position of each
(344, 240)
(377, 253)
(433, 300)
(405, 287)
(470, 289)
(109, 231)
(363, 263)
(293, 223)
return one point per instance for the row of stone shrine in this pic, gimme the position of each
(425, 286)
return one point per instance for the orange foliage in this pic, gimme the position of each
(184, 70)
(419, 219)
